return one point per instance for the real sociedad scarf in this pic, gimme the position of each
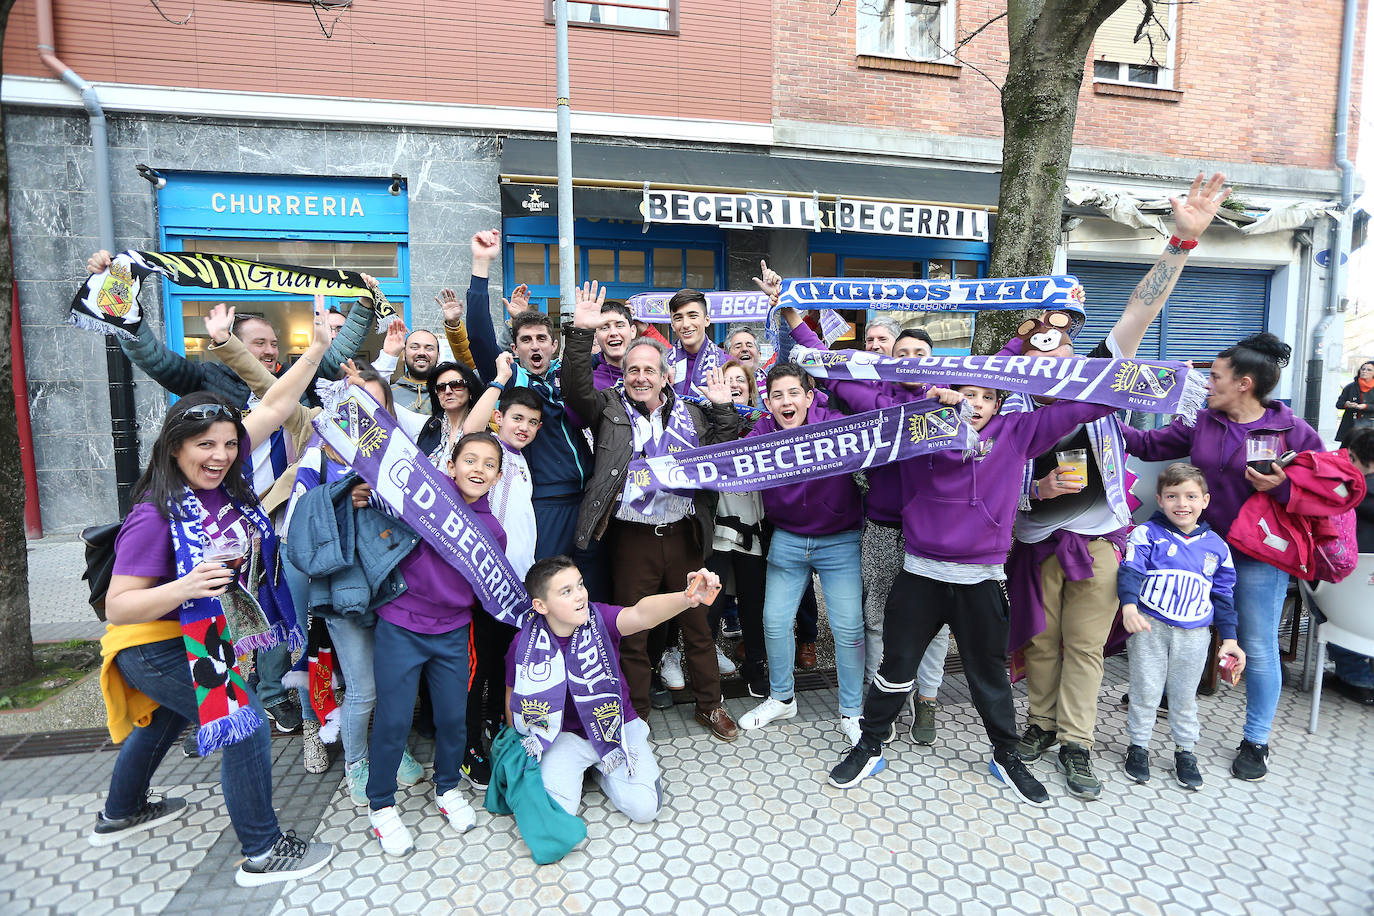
(217, 630)
(920, 295)
(545, 674)
(840, 446)
(1125, 384)
(108, 301)
(367, 439)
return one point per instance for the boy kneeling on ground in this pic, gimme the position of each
(566, 693)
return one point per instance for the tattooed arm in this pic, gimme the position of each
(1192, 216)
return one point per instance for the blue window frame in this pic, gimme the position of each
(854, 255)
(354, 223)
(615, 253)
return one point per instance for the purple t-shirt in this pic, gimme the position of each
(438, 598)
(144, 544)
(572, 723)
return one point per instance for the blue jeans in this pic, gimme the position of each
(400, 656)
(1259, 595)
(791, 558)
(298, 583)
(159, 670)
(353, 649)
(1351, 667)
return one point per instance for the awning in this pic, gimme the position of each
(608, 181)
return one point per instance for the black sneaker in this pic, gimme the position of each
(286, 716)
(1249, 763)
(476, 768)
(150, 815)
(660, 697)
(1186, 771)
(190, 745)
(730, 628)
(861, 761)
(1137, 764)
(1035, 742)
(1011, 770)
(290, 858)
(1077, 766)
(923, 725)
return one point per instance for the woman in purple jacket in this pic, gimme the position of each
(816, 526)
(1238, 408)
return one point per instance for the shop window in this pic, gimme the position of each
(1127, 49)
(905, 29)
(381, 259)
(640, 15)
(631, 268)
(701, 269)
(668, 267)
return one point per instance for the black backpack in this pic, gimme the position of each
(100, 557)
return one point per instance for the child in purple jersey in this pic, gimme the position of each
(425, 630)
(1176, 579)
(956, 525)
(555, 723)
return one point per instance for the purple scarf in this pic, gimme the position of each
(679, 436)
(708, 357)
(545, 674)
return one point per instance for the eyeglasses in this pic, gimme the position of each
(212, 412)
(449, 386)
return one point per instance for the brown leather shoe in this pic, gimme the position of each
(719, 722)
(806, 655)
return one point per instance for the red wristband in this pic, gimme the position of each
(1176, 242)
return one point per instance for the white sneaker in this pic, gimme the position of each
(727, 667)
(770, 710)
(388, 827)
(455, 807)
(670, 670)
(850, 726)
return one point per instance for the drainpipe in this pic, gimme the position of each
(33, 514)
(123, 428)
(1335, 271)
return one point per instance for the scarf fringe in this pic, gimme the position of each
(90, 323)
(532, 746)
(1194, 396)
(230, 729)
(270, 638)
(296, 679)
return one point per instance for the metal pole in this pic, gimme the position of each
(567, 265)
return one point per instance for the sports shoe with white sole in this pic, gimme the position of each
(670, 670)
(289, 859)
(454, 807)
(861, 762)
(410, 771)
(851, 728)
(1015, 776)
(149, 816)
(770, 710)
(391, 831)
(727, 667)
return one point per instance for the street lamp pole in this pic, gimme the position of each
(567, 265)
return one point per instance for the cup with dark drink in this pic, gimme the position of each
(1261, 450)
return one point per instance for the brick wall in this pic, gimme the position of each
(1256, 82)
(450, 51)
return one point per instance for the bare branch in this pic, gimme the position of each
(169, 18)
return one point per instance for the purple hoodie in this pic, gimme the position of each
(961, 510)
(605, 375)
(438, 598)
(1216, 444)
(826, 505)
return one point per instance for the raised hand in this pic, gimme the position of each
(946, 396)
(505, 367)
(518, 302)
(717, 389)
(1194, 214)
(770, 281)
(320, 340)
(395, 337)
(99, 261)
(351, 374)
(486, 245)
(587, 306)
(371, 282)
(220, 322)
(451, 306)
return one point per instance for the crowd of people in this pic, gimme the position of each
(1011, 550)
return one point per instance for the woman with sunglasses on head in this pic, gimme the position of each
(453, 389)
(160, 674)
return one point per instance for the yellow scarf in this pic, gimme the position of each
(125, 707)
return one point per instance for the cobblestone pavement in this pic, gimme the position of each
(57, 596)
(751, 827)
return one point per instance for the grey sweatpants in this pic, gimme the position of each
(1172, 658)
(637, 795)
(881, 560)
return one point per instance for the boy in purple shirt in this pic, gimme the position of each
(425, 630)
(571, 701)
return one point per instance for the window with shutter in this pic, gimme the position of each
(905, 29)
(1118, 57)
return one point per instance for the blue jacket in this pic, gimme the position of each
(350, 555)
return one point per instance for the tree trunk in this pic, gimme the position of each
(16, 641)
(1048, 43)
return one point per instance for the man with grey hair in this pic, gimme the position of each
(743, 345)
(880, 334)
(656, 542)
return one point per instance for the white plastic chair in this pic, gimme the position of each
(1348, 609)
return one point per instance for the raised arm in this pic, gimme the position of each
(481, 334)
(479, 417)
(353, 333)
(1192, 216)
(454, 330)
(579, 386)
(285, 395)
(229, 350)
(1172, 441)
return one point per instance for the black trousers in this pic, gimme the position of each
(750, 575)
(491, 641)
(977, 616)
